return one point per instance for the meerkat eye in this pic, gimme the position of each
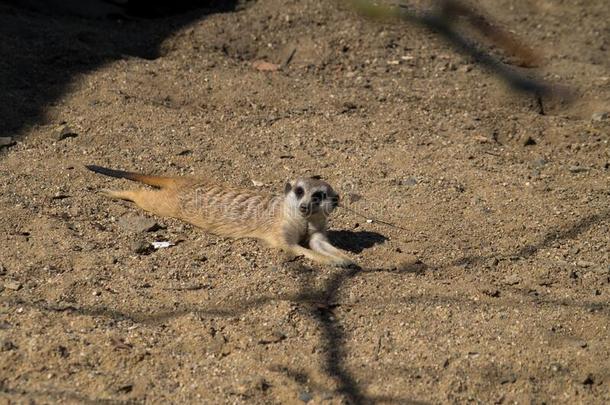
(299, 192)
(318, 196)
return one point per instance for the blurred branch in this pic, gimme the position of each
(444, 18)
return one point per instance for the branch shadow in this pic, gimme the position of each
(57, 396)
(565, 232)
(54, 41)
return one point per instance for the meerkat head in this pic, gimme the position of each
(311, 196)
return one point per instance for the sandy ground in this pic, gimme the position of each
(492, 285)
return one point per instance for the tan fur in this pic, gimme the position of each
(240, 213)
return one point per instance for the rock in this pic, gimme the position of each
(257, 183)
(512, 279)
(6, 141)
(138, 224)
(490, 291)
(581, 343)
(142, 247)
(574, 250)
(164, 244)
(540, 162)
(272, 337)
(578, 169)
(409, 181)
(12, 285)
(2, 270)
(529, 141)
(248, 386)
(599, 116)
(509, 378)
(305, 396)
(7, 346)
(64, 132)
(584, 264)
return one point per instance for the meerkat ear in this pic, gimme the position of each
(287, 188)
(317, 177)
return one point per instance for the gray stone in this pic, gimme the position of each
(12, 285)
(409, 181)
(6, 141)
(578, 169)
(512, 279)
(305, 396)
(540, 162)
(138, 224)
(142, 247)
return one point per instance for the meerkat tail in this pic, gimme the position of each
(155, 181)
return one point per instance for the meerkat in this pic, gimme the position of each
(289, 222)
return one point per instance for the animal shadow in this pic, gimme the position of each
(355, 242)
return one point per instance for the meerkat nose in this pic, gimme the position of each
(303, 208)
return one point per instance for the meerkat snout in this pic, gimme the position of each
(311, 196)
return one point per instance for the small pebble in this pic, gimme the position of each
(578, 169)
(599, 116)
(540, 162)
(162, 244)
(305, 396)
(581, 343)
(142, 247)
(409, 181)
(138, 224)
(6, 141)
(512, 279)
(12, 285)
(584, 264)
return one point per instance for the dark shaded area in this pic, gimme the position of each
(52, 42)
(355, 242)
